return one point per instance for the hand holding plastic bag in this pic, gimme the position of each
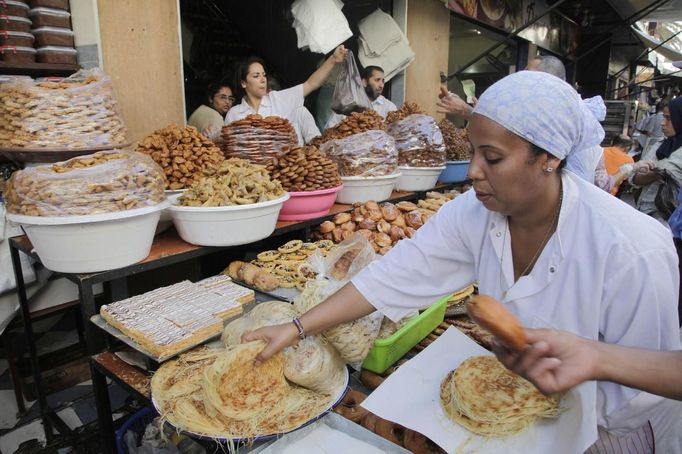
(349, 93)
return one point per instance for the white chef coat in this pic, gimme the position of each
(380, 105)
(607, 273)
(282, 103)
(304, 123)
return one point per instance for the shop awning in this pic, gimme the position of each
(667, 43)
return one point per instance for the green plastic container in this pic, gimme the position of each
(386, 352)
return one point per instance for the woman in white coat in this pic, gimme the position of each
(558, 251)
(256, 99)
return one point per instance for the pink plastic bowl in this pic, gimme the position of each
(308, 205)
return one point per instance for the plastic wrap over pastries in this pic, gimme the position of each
(419, 141)
(104, 182)
(76, 112)
(367, 154)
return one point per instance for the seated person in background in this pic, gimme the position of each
(210, 117)
(304, 123)
(373, 81)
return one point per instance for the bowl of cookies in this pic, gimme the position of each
(91, 213)
(235, 203)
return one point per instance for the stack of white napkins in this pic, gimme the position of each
(382, 43)
(320, 25)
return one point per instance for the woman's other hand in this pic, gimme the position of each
(555, 361)
(277, 337)
(339, 54)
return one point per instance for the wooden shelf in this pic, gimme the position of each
(37, 69)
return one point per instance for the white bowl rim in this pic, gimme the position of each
(316, 192)
(409, 168)
(458, 162)
(382, 177)
(276, 201)
(82, 219)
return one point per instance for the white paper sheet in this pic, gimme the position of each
(410, 396)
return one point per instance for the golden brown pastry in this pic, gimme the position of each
(493, 316)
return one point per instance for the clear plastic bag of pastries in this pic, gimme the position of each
(368, 154)
(104, 182)
(77, 112)
(419, 141)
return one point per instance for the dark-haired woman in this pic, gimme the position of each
(208, 118)
(256, 99)
(555, 249)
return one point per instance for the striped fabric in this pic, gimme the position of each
(640, 441)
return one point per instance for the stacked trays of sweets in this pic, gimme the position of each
(47, 121)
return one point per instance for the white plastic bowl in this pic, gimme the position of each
(166, 220)
(363, 189)
(418, 178)
(92, 243)
(229, 225)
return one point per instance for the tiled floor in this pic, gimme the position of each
(75, 404)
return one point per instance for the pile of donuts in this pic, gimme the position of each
(409, 439)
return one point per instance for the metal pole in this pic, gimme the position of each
(507, 38)
(644, 11)
(646, 52)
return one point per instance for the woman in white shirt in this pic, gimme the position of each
(558, 251)
(253, 81)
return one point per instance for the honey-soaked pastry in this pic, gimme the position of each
(234, 182)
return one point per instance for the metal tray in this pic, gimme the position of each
(337, 422)
(98, 321)
(265, 437)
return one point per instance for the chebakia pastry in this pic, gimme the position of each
(196, 391)
(489, 400)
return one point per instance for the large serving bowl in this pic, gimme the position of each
(455, 172)
(418, 178)
(228, 225)
(308, 204)
(92, 243)
(363, 189)
(166, 220)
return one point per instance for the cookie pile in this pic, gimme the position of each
(304, 169)
(183, 154)
(257, 138)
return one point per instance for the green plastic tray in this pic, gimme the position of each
(386, 352)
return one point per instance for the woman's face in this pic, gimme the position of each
(222, 100)
(507, 177)
(256, 83)
(667, 125)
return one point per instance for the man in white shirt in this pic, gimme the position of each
(373, 81)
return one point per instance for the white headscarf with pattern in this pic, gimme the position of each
(547, 112)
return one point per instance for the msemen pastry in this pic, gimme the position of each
(489, 400)
(195, 391)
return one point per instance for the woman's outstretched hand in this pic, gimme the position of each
(277, 337)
